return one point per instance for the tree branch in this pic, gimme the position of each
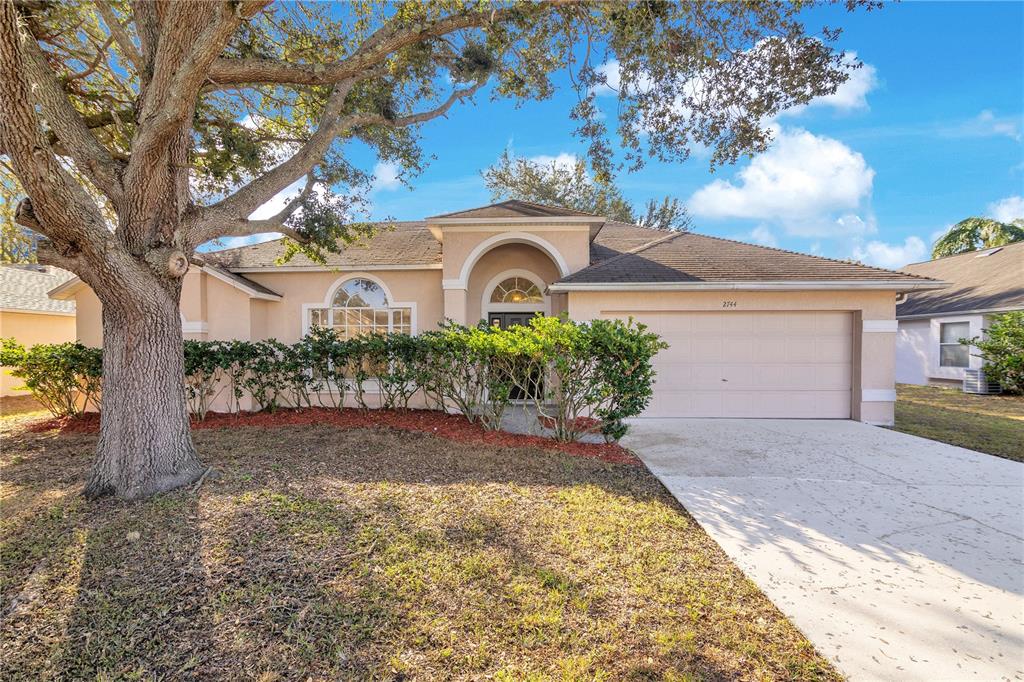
(375, 49)
(66, 124)
(59, 207)
(207, 223)
(119, 34)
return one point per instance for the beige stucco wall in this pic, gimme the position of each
(283, 319)
(29, 329)
(502, 259)
(88, 318)
(571, 243)
(874, 351)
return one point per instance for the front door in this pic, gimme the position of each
(504, 321)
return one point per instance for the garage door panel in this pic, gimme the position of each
(759, 364)
(835, 349)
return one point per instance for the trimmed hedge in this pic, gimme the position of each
(63, 377)
(580, 377)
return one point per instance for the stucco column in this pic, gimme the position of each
(875, 392)
(455, 305)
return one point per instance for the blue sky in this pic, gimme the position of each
(927, 133)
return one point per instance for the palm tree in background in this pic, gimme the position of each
(972, 234)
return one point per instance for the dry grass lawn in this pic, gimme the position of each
(322, 553)
(986, 423)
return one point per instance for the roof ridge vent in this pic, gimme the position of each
(988, 252)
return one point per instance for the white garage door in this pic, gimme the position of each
(763, 364)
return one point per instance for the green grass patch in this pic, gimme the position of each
(328, 554)
(990, 424)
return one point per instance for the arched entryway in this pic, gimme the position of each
(510, 281)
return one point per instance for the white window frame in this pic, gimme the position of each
(332, 291)
(942, 344)
(486, 307)
(976, 324)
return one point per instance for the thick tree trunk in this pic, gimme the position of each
(145, 442)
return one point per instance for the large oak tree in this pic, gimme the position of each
(138, 130)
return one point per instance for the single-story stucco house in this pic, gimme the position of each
(29, 316)
(753, 331)
(931, 323)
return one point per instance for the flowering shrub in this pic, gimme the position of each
(580, 377)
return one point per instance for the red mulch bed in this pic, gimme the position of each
(452, 426)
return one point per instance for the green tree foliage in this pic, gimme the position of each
(17, 244)
(972, 234)
(1002, 349)
(571, 185)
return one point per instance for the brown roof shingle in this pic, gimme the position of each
(407, 243)
(992, 279)
(514, 208)
(687, 257)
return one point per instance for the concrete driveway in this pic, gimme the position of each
(899, 557)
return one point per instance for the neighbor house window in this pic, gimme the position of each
(517, 290)
(952, 353)
(361, 307)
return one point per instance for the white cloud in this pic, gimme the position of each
(986, 124)
(564, 160)
(763, 236)
(850, 95)
(801, 181)
(1006, 210)
(892, 256)
(279, 201)
(386, 177)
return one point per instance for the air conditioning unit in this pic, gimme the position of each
(975, 381)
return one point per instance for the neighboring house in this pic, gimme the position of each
(28, 315)
(753, 331)
(931, 323)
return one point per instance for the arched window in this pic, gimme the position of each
(517, 290)
(361, 306)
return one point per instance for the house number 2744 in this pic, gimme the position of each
(728, 304)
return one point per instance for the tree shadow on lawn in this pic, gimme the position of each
(321, 553)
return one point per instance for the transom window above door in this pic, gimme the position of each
(517, 290)
(361, 306)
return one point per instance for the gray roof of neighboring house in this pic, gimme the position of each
(685, 257)
(992, 279)
(25, 287)
(514, 208)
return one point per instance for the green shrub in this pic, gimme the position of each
(581, 377)
(1002, 349)
(64, 377)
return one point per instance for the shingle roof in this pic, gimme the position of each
(411, 243)
(687, 257)
(408, 243)
(992, 279)
(25, 287)
(514, 208)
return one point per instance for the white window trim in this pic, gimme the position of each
(487, 307)
(937, 371)
(332, 290)
(957, 344)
